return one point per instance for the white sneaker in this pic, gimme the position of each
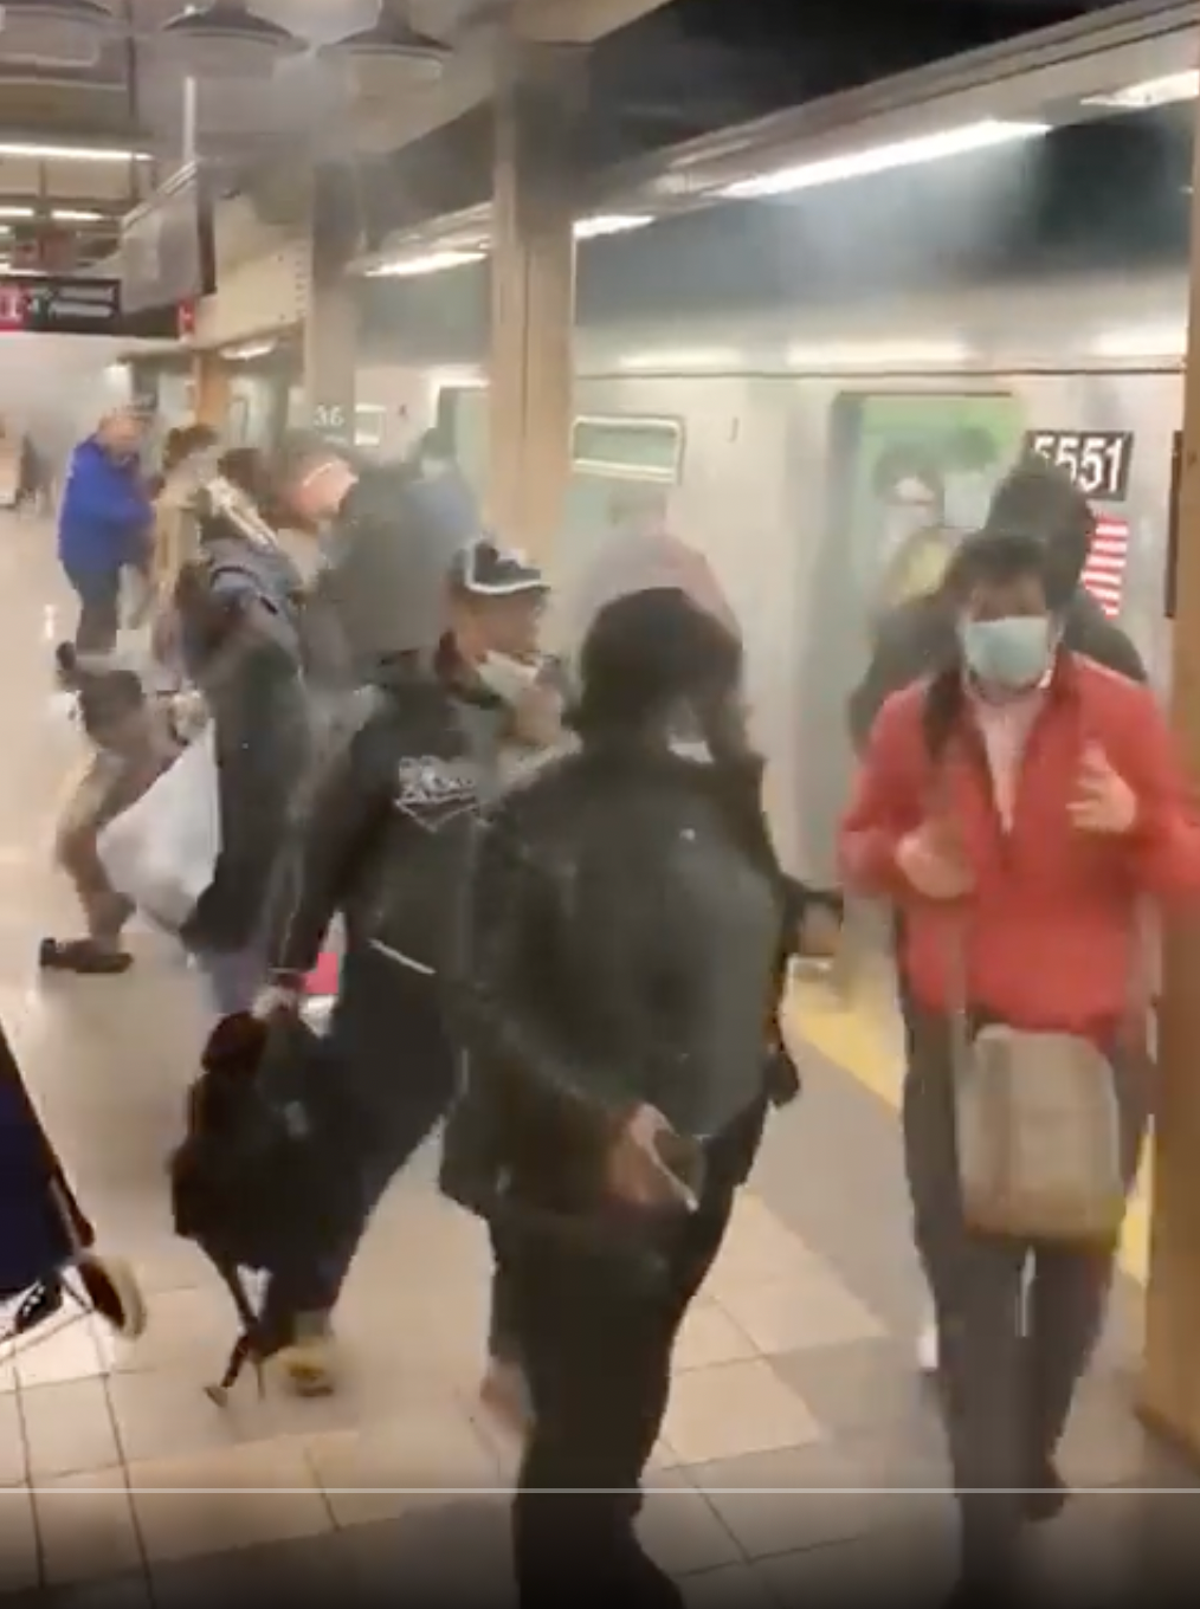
(928, 1351)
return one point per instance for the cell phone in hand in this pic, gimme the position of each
(683, 1157)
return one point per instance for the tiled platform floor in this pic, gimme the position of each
(800, 1451)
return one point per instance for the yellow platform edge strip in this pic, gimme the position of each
(844, 1033)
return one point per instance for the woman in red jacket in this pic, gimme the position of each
(1023, 808)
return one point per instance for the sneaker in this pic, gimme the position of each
(928, 1349)
(307, 1363)
(84, 957)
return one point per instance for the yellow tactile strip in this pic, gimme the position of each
(856, 1031)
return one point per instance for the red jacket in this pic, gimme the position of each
(1051, 932)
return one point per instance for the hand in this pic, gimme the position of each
(537, 716)
(278, 1000)
(636, 1173)
(1104, 801)
(932, 860)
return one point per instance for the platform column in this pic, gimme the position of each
(1170, 1386)
(210, 389)
(533, 298)
(331, 325)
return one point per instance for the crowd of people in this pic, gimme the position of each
(565, 931)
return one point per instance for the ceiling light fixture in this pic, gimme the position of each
(17, 212)
(225, 40)
(251, 350)
(913, 152)
(32, 151)
(54, 33)
(76, 215)
(434, 262)
(1152, 92)
(610, 223)
(391, 38)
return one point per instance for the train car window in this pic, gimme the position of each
(369, 423)
(628, 448)
(461, 412)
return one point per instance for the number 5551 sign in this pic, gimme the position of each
(1096, 460)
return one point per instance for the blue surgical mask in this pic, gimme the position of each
(1014, 653)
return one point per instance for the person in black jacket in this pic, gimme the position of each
(240, 609)
(918, 637)
(616, 994)
(384, 848)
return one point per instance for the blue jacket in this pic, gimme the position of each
(105, 516)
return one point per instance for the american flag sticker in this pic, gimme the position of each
(1104, 573)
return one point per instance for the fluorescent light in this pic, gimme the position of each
(434, 262)
(1132, 342)
(884, 158)
(17, 212)
(69, 153)
(879, 355)
(252, 349)
(76, 215)
(1167, 91)
(710, 357)
(610, 223)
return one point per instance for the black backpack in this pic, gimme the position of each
(256, 1165)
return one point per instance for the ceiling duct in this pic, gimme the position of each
(54, 33)
(225, 40)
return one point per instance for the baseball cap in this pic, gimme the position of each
(486, 570)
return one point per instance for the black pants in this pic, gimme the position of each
(596, 1341)
(503, 1343)
(1011, 1364)
(392, 1060)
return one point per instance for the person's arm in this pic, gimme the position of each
(1165, 842)
(349, 810)
(507, 901)
(884, 806)
(101, 495)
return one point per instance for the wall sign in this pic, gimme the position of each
(58, 304)
(1104, 573)
(1097, 460)
(333, 421)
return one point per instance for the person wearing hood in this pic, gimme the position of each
(372, 582)
(918, 637)
(385, 849)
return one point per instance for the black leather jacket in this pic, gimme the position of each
(625, 933)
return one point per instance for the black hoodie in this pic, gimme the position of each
(917, 638)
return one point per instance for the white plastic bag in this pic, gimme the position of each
(161, 854)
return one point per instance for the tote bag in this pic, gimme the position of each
(161, 854)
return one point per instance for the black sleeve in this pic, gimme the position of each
(1118, 653)
(914, 641)
(507, 907)
(349, 810)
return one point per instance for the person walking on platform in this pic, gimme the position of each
(1023, 808)
(385, 848)
(917, 638)
(616, 995)
(104, 527)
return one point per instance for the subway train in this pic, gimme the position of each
(828, 393)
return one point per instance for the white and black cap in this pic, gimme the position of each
(485, 569)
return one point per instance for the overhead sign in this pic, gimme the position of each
(62, 304)
(1097, 460)
(333, 420)
(1104, 573)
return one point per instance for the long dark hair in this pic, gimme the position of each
(989, 558)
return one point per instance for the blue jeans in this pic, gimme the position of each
(99, 594)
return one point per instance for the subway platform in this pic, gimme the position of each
(801, 1456)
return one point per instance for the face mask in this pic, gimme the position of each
(506, 676)
(1013, 653)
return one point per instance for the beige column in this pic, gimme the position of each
(1171, 1374)
(330, 336)
(210, 389)
(533, 301)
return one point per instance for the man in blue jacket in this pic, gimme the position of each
(104, 525)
